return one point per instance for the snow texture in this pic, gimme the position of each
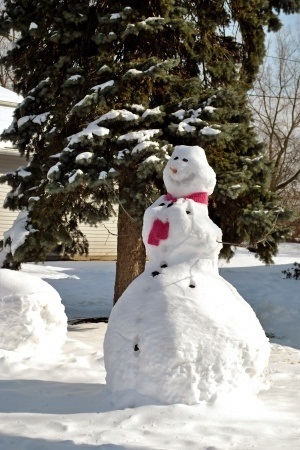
(180, 333)
(74, 77)
(209, 109)
(23, 173)
(84, 156)
(101, 87)
(33, 320)
(185, 127)
(137, 107)
(179, 114)
(140, 136)
(24, 120)
(151, 112)
(77, 174)
(38, 119)
(144, 145)
(18, 231)
(123, 114)
(208, 131)
(53, 170)
(115, 16)
(134, 71)
(88, 132)
(41, 118)
(151, 159)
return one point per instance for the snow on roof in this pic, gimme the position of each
(9, 96)
(6, 116)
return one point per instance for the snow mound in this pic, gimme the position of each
(33, 320)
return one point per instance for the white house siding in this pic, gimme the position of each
(102, 243)
(8, 163)
(9, 158)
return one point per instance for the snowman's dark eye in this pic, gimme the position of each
(185, 160)
(176, 157)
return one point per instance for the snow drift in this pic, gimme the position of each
(33, 320)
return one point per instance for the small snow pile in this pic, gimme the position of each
(32, 317)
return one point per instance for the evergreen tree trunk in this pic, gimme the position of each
(130, 249)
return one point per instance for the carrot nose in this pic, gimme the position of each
(173, 169)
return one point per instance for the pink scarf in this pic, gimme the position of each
(198, 197)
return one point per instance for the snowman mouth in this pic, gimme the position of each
(180, 178)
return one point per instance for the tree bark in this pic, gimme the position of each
(131, 252)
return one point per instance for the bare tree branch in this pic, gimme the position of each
(288, 181)
(275, 102)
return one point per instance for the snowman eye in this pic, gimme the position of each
(185, 160)
(176, 157)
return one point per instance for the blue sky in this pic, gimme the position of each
(290, 20)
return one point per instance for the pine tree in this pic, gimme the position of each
(110, 88)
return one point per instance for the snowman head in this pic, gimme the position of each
(188, 172)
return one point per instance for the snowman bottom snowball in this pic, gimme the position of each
(169, 341)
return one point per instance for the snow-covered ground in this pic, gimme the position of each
(62, 403)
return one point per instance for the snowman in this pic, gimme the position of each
(180, 333)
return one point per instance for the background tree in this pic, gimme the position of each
(6, 75)
(275, 101)
(111, 90)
